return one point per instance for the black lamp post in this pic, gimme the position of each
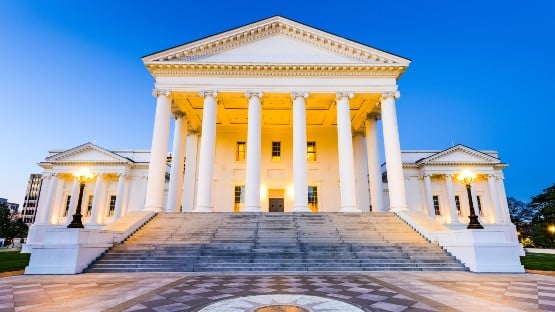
(83, 176)
(466, 177)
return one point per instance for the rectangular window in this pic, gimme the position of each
(241, 152)
(276, 151)
(479, 202)
(311, 151)
(112, 206)
(89, 205)
(436, 205)
(313, 198)
(68, 200)
(458, 204)
(239, 198)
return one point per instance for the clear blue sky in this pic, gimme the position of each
(481, 73)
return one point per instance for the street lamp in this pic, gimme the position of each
(83, 176)
(467, 177)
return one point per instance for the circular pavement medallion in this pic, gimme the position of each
(280, 303)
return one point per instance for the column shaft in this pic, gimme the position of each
(345, 151)
(429, 196)
(119, 195)
(452, 203)
(96, 217)
(72, 201)
(361, 172)
(207, 150)
(190, 178)
(154, 200)
(495, 199)
(53, 185)
(393, 161)
(252, 189)
(374, 168)
(300, 180)
(175, 189)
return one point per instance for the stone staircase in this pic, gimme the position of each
(228, 242)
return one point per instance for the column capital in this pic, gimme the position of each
(373, 116)
(179, 114)
(160, 92)
(348, 94)
(449, 176)
(206, 93)
(297, 94)
(388, 94)
(257, 94)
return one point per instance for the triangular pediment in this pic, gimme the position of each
(87, 153)
(460, 154)
(275, 40)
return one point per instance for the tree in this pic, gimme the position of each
(543, 222)
(520, 211)
(5, 222)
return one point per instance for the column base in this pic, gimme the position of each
(152, 208)
(252, 209)
(203, 209)
(350, 209)
(300, 209)
(402, 208)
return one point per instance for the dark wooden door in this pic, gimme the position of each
(276, 204)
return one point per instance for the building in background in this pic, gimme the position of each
(13, 208)
(32, 194)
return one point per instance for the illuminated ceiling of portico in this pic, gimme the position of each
(232, 109)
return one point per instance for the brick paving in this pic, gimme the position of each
(377, 291)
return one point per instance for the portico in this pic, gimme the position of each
(270, 117)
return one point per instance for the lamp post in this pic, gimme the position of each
(467, 177)
(83, 176)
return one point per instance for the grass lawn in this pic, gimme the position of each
(537, 261)
(13, 261)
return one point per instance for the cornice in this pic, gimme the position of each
(59, 157)
(274, 70)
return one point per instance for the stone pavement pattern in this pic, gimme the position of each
(377, 291)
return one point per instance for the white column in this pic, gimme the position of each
(361, 172)
(207, 150)
(94, 218)
(252, 188)
(190, 178)
(119, 195)
(345, 151)
(47, 208)
(300, 180)
(429, 196)
(392, 147)
(175, 189)
(495, 199)
(451, 197)
(154, 200)
(374, 167)
(72, 201)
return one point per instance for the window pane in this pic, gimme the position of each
(313, 198)
(311, 151)
(241, 151)
(276, 151)
(436, 205)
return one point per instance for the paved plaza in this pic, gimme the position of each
(377, 291)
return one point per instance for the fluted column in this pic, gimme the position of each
(190, 177)
(175, 189)
(345, 150)
(119, 195)
(97, 197)
(392, 147)
(495, 199)
(47, 208)
(451, 196)
(252, 188)
(72, 201)
(374, 168)
(154, 200)
(300, 180)
(207, 150)
(429, 196)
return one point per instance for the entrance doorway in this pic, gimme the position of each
(276, 201)
(276, 204)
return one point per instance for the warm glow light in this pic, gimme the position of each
(291, 191)
(263, 192)
(551, 228)
(83, 175)
(466, 177)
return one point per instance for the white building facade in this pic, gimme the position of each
(277, 116)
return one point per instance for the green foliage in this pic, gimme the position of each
(534, 261)
(13, 261)
(543, 222)
(528, 243)
(8, 228)
(520, 211)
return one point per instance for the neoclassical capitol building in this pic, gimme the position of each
(278, 117)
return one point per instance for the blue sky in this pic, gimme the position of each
(481, 73)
